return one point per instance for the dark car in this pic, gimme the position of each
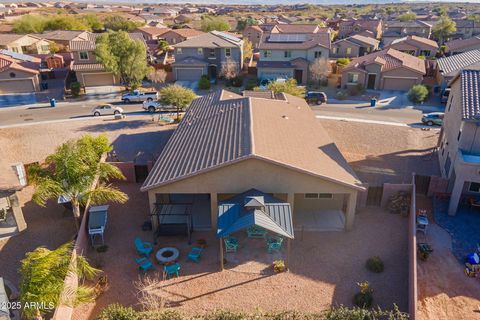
(433, 118)
(316, 97)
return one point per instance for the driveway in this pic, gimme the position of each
(188, 84)
(18, 99)
(393, 98)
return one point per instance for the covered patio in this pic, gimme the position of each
(264, 219)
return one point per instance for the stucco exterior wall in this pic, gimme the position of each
(341, 50)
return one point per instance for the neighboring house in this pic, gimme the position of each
(176, 36)
(20, 74)
(465, 29)
(350, 27)
(152, 33)
(397, 29)
(205, 55)
(63, 37)
(459, 151)
(232, 144)
(289, 55)
(384, 70)
(152, 20)
(26, 44)
(164, 12)
(449, 67)
(462, 45)
(354, 46)
(253, 34)
(88, 71)
(416, 46)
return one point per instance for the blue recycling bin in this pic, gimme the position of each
(53, 103)
(373, 102)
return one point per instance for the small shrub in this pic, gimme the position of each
(236, 82)
(224, 315)
(375, 264)
(204, 83)
(356, 90)
(161, 315)
(341, 95)
(341, 62)
(279, 266)
(251, 84)
(418, 93)
(75, 89)
(118, 312)
(364, 298)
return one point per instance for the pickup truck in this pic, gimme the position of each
(152, 106)
(137, 96)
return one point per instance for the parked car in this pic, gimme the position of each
(152, 106)
(316, 97)
(433, 118)
(106, 109)
(137, 96)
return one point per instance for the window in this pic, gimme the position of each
(318, 196)
(474, 187)
(14, 49)
(200, 51)
(349, 50)
(83, 55)
(228, 52)
(318, 54)
(287, 54)
(212, 53)
(267, 54)
(45, 48)
(352, 78)
(425, 53)
(179, 50)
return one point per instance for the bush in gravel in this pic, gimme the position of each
(343, 313)
(375, 264)
(236, 82)
(418, 93)
(75, 89)
(341, 95)
(364, 298)
(204, 83)
(118, 312)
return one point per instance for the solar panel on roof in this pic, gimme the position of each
(226, 36)
(287, 37)
(18, 56)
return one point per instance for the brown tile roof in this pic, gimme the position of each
(221, 128)
(187, 33)
(7, 38)
(62, 35)
(413, 40)
(211, 39)
(365, 24)
(89, 45)
(7, 62)
(463, 43)
(389, 59)
(88, 67)
(361, 40)
(297, 28)
(153, 31)
(311, 40)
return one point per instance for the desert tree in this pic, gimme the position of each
(229, 69)
(319, 70)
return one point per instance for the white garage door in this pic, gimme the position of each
(398, 84)
(188, 74)
(16, 86)
(98, 79)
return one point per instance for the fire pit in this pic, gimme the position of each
(167, 255)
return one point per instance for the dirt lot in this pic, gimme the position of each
(325, 267)
(381, 153)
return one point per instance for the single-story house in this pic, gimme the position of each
(354, 46)
(26, 44)
(415, 45)
(388, 69)
(152, 33)
(462, 45)
(63, 37)
(228, 144)
(176, 36)
(449, 67)
(19, 75)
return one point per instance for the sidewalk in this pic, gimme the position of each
(356, 103)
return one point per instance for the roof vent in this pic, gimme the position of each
(285, 117)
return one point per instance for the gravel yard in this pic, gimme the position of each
(324, 268)
(382, 153)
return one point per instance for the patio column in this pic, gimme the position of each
(455, 197)
(213, 210)
(350, 212)
(18, 213)
(221, 255)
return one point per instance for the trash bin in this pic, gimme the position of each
(373, 102)
(53, 103)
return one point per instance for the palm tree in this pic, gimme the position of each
(43, 273)
(75, 172)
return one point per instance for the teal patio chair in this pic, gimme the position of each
(231, 244)
(171, 270)
(274, 244)
(256, 232)
(144, 264)
(195, 254)
(143, 248)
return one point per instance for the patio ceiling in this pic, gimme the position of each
(237, 213)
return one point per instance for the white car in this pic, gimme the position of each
(106, 109)
(152, 106)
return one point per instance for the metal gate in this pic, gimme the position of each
(422, 184)
(374, 196)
